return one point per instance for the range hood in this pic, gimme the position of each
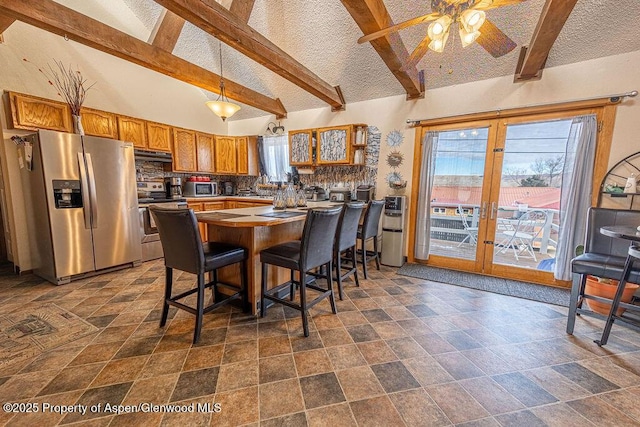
(152, 156)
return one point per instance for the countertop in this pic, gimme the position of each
(231, 198)
(250, 216)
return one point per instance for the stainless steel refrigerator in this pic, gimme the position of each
(81, 197)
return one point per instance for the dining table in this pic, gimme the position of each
(632, 234)
(256, 228)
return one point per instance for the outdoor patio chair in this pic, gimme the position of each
(524, 233)
(472, 232)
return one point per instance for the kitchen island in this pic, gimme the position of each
(248, 227)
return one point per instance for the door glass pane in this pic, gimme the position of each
(456, 192)
(529, 199)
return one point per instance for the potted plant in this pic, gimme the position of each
(606, 288)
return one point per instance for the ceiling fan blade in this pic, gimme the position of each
(494, 41)
(396, 27)
(492, 4)
(417, 53)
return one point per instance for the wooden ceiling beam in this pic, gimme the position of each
(167, 31)
(533, 57)
(372, 16)
(55, 18)
(5, 22)
(213, 18)
(242, 9)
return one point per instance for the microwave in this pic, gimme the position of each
(200, 189)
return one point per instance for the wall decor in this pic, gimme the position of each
(395, 159)
(394, 138)
(373, 148)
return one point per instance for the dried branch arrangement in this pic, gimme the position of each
(72, 87)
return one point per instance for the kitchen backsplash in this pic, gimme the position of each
(324, 176)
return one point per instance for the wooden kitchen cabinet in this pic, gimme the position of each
(133, 130)
(225, 154)
(184, 150)
(247, 150)
(99, 123)
(214, 206)
(198, 207)
(159, 136)
(33, 113)
(334, 145)
(301, 147)
(205, 152)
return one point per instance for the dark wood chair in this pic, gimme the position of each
(184, 250)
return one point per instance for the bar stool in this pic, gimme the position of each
(315, 249)
(369, 230)
(184, 250)
(346, 240)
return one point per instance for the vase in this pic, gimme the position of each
(607, 290)
(77, 124)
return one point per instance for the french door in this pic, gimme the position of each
(494, 195)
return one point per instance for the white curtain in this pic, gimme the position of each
(427, 169)
(575, 199)
(275, 157)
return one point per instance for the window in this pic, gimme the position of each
(274, 156)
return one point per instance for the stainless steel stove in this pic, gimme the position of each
(152, 193)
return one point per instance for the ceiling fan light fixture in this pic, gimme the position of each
(438, 45)
(472, 19)
(439, 28)
(467, 38)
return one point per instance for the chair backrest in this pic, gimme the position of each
(348, 226)
(600, 217)
(372, 218)
(180, 238)
(463, 217)
(316, 245)
(532, 223)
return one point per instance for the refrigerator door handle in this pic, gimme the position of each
(92, 194)
(85, 191)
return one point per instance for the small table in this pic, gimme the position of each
(633, 235)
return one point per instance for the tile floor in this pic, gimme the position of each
(400, 352)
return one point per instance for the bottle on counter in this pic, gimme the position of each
(279, 200)
(290, 196)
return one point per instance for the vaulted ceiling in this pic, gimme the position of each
(289, 55)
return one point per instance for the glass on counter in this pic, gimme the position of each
(279, 200)
(301, 199)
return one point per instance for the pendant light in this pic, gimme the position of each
(221, 107)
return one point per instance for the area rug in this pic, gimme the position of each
(29, 332)
(532, 291)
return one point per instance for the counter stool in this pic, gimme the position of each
(184, 250)
(315, 249)
(346, 240)
(369, 230)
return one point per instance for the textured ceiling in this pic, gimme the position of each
(322, 36)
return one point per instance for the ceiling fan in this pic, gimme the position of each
(472, 24)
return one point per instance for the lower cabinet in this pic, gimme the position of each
(214, 206)
(198, 207)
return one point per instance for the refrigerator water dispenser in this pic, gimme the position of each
(67, 194)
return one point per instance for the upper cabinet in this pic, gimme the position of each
(33, 113)
(205, 152)
(184, 150)
(159, 137)
(236, 155)
(225, 154)
(337, 145)
(99, 123)
(302, 147)
(133, 130)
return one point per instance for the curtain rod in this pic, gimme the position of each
(612, 98)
